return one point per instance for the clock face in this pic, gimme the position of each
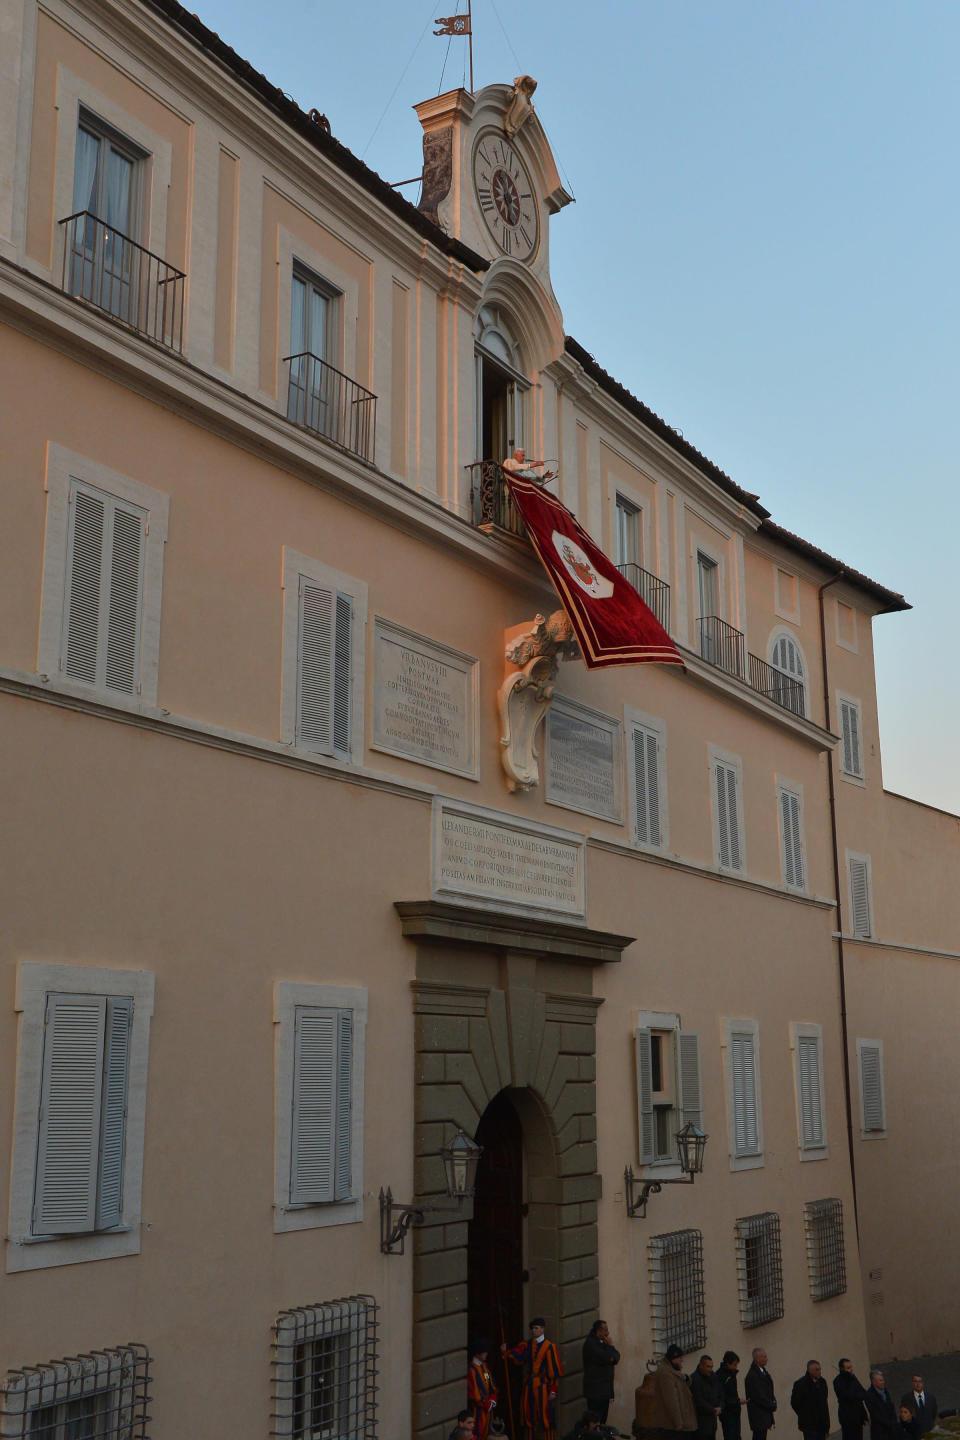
(505, 195)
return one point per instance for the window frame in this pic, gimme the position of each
(747, 1159)
(815, 1211)
(295, 567)
(653, 726)
(121, 1372)
(789, 788)
(64, 467)
(852, 777)
(138, 157)
(667, 1024)
(730, 762)
(882, 1132)
(35, 981)
(288, 998)
(784, 632)
(803, 1030)
(633, 511)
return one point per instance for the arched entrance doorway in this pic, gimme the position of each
(495, 1270)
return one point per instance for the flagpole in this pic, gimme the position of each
(470, 34)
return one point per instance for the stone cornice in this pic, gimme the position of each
(440, 923)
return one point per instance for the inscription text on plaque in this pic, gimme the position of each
(424, 700)
(491, 856)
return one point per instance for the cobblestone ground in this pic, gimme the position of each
(941, 1374)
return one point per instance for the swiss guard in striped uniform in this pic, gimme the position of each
(481, 1391)
(540, 1360)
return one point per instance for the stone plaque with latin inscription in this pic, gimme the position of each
(583, 760)
(424, 700)
(490, 856)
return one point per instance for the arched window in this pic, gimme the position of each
(790, 678)
(501, 386)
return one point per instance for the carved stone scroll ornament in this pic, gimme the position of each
(521, 106)
(527, 693)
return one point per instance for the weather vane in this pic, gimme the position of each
(458, 25)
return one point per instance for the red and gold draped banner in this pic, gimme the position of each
(611, 621)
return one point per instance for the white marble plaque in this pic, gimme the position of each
(424, 700)
(498, 859)
(583, 760)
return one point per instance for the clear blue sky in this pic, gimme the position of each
(778, 178)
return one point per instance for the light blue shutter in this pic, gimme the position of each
(342, 677)
(126, 586)
(746, 1135)
(645, 1096)
(70, 1109)
(85, 574)
(811, 1114)
(871, 1088)
(860, 896)
(315, 667)
(793, 869)
(688, 1077)
(850, 726)
(646, 773)
(312, 1157)
(344, 1105)
(728, 815)
(113, 1124)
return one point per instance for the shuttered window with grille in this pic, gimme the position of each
(678, 1315)
(826, 1258)
(103, 600)
(759, 1269)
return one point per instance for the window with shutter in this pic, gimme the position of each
(83, 1102)
(743, 1091)
(729, 832)
(808, 1054)
(324, 618)
(860, 907)
(688, 1075)
(851, 753)
(104, 591)
(645, 1095)
(647, 787)
(873, 1111)
(791, 839)
(668, 1084)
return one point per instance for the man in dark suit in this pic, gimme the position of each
(850, 1397)
(810, 1402)
(761, 1401)
(707, 1400)
(600, 1355)
(922, 1403)
(879, 1403)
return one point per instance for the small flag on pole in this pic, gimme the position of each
(453, 25)
(613, 624)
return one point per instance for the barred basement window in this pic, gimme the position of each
(100, 1396)
(325, 1371)
(826, 1265)
(759, 1269)
(676, 1290)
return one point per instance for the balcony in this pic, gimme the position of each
(654, 593)
(328, 403)
(493, 509)
(721, 645)
(116, 275)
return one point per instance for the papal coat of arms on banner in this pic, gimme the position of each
(577, 564)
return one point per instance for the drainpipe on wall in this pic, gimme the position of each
(832, 792)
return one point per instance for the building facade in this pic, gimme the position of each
(277, 925)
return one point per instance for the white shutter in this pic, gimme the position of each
(126, 585)
(793, 867)
(646, 775)
(113, 1122)
(850, 729)
(324, 670)
(728, 816)
(312, 1158)
(746, 1133)
(344, 1105)
(342, 677)
(85, 574)
(871, 1086)
(811, 1111)
(645, 1096)
(860, 896)
(70, 1108)
(688, 1078)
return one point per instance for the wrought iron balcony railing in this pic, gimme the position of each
(121, 278)
(328, 403)
(654, 592)
(781, 689)
(721, 645)
(492, 505)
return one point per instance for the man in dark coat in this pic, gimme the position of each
(879, 1403)
(761, 1401)
(600, 1355)
(923, 1404)
(705, 1389)
(809, 1399)
(729, 1396)
(850, 1397)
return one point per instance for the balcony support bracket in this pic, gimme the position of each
(532, 655)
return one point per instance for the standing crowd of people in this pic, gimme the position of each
(675, 1404)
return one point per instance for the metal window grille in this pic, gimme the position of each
(759, 1269)
(676, 1290)
(103, 1395)
(325, 1371)
(826, 1266)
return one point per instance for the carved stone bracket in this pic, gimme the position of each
(527, 693)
